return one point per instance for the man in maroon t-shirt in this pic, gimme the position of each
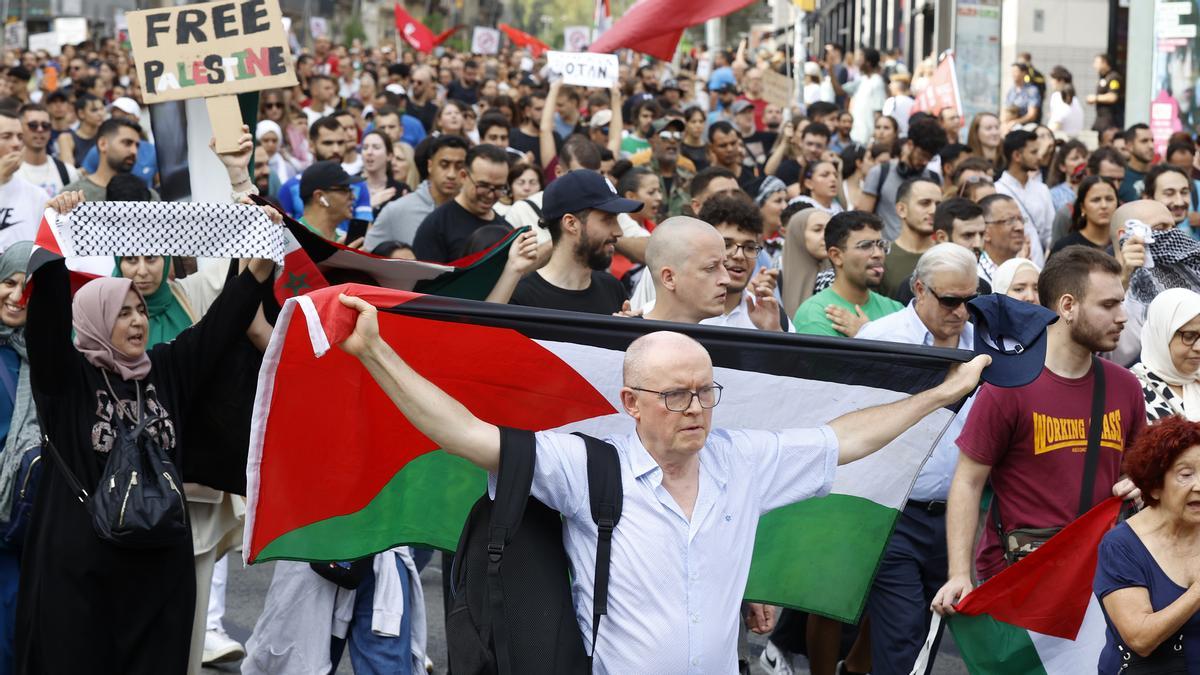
(1032, 440)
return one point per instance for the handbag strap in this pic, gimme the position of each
(1087, 489)
(72, 482)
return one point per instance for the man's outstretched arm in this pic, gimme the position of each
(433, 412)
(864, 431)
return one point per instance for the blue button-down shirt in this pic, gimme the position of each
(933, 482)
(676, 584)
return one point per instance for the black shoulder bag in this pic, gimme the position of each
(1021, 542)
(139, 502)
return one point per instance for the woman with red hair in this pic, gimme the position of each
(1148, 573)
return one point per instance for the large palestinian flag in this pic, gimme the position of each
(331, 459)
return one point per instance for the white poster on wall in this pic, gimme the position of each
(977, 56)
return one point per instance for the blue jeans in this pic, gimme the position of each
(372, 654)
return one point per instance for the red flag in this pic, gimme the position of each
(522, 39)
(1048, 591)
(445, 35)
(414, 32)
(654, 26)
(942, 90)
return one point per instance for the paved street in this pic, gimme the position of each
(248, 588)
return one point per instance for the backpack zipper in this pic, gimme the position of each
(125, 501)
(167, 475)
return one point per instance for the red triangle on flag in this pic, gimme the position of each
(1048, 591)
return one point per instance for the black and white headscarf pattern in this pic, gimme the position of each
(1176, 265)
(205, 230)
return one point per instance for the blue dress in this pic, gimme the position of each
(1124, 562)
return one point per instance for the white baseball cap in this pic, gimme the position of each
(127, 106)
(395, 89)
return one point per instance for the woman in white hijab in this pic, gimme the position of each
(1017, 278)
(1170, 367)
(270, 137)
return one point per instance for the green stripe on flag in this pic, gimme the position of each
(820, 555)
(425, 504)
(992, 647)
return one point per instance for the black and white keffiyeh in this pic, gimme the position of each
(1176, 259)
(200, 229)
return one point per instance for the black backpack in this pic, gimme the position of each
(139, 502)
(510, 605)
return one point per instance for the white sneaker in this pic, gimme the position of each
(220, 648)
(776, 661)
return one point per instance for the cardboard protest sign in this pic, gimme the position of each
(47, 42)
(584, 69)
(15, 34)
(777, 89)
(210, 49)
(485, 41)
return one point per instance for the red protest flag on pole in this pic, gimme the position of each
(654, 26)
(522, 39)
(942, 90)
(445, 35)
(415, 33)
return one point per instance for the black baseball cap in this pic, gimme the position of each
(323, 176)
(670, 123)
(584, 189)
(727, 88)
(1013, 333)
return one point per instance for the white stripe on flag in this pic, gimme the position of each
(1068, 657)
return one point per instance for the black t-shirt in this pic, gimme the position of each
(759, 145)
(789, 171)
(426, 113)
(604, 296)
(458, 91)
(525, 143)
(1076, 239)
(442, 236)
(697, 153)
(1110, 114)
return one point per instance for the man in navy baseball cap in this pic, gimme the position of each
(1013, 333)
(580, 210)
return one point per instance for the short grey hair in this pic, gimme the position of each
(946, 257)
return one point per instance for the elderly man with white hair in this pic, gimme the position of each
(672, 608)
(914, 564)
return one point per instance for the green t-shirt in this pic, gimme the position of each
(632, 144)
(897, 266)
(810, 318)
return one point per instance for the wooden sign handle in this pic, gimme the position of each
(226, 118)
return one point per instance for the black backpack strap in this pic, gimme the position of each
(1095, 430)
(513, 482)
(62, 171)
(604, 489)
(72, 482)
(533, 205)
(884, 169)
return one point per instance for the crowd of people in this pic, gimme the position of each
(668, 196)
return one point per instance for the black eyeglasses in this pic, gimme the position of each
(481, 188)
(679, 400)
(39, 126)
(273, 104)
(750, 250)
(952, 301)
(1188, 337)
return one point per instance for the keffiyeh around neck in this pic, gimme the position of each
(1167, 313)
(94, 312)
(1176, 265)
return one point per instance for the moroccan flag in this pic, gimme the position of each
(346, 489)
(522, 39)
(415, 33)
(654, 26)
(1040, 615)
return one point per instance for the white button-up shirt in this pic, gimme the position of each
(676, 584)
(739, 317)
(933, 482)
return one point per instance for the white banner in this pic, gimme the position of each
(71, 31)
(485, 41)
(584, 69)
(576, 38)
(47, 42)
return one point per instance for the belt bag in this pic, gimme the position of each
(1020, 542)
(1168, 659)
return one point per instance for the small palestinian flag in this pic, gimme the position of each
(1040, 615)
(368, 480)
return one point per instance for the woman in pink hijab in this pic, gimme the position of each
(118, 609)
